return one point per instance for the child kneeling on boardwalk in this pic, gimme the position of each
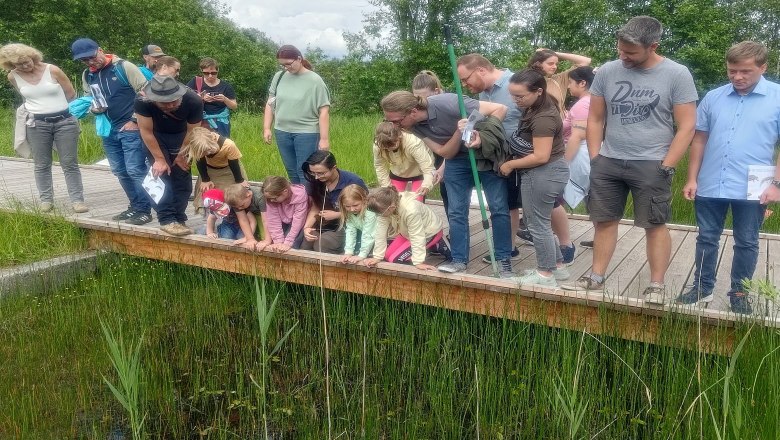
(401, 158)
(217, 209)
(412, 226)
(359, 222)
(217, 159)
(286, 211)
(248, 203)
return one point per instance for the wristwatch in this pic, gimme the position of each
(776, 183)
(667, 171)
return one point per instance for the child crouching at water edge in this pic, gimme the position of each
(217, 158)
(412, 226)
(248, 203)
(217, 209)
(401, 158)
(359, 222)
(287, 208)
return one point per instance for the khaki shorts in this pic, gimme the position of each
(612, 179)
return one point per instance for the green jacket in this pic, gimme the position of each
(494, 150)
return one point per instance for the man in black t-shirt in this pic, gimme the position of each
(166, 114)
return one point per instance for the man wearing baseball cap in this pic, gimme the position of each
(113, 83)
(151, 53)
(166, 115)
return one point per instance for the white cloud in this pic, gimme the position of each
(319, 23)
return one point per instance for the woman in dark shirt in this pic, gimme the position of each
(325, 181)
(538, 156)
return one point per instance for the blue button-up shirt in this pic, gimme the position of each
(743, 131)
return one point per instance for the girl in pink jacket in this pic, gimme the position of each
(286, 208)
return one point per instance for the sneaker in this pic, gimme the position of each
(740, 303)
(124, 215)
(46, 206)
(514, 256)
(568, 253)
(693, 296)
(139, 218)
(655, 294)
(587, 243)
(452, 267)
(525, 236)
(585, 284)
(443, 249)
(534, 278)
(505, 268)
(561, 273)
(80, 207)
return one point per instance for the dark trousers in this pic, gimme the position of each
(178, 187)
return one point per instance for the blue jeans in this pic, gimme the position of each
(295, 148)
(710, 217)
(126, 156)
(459, 183)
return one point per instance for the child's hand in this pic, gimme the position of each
(281, 247)
(249, 244)
(370, 262)
(422, 191)
(260, 245)
(423, 266)
(330, 215)
(310, 234)
(351, 259)
(205, 186)
(241, 240)
(211, 235)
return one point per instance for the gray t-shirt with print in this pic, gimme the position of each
(640, 107)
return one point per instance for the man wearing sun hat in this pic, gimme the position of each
(113, 83)
(166, 114)
(151, 53)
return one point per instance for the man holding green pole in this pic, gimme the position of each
(435, 121)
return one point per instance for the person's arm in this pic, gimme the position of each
(235, 169)
(685, 119)
(576, 59)
(575, 139)
(211, 222)
(324, 123)
(382, 171)
(450, 149)
(594, 132)
(540, 156)
(268, 119)
(299, 217)
(249, 235)
(12, 80)
(135, 77)
(160, 165)
(231, 103)
(309, 228)
(493, 109)
(367, 234)
(422, 155)
(64, 81)
(380, 242)
(695, 156)
(203, 171)
(350, 237)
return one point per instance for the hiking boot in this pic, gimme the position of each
(139, 218)
(514, 256)
(452, 267)
(525, 236)
(585, 284)
(45, 206)
(655, 293)
(740, 303)
(534, 278)
(176, 229)
(124, 215)
(561, 273)
(693, 296)
(587, 243)
(80, 207)
(568, 253)
(505, 268)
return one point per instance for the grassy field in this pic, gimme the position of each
(351, 143)
(397, 371)
(29, 237)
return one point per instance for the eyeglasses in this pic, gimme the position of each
(287, 65)
(466, 79)
(88, 59)
(209, 73)
(317, 175)
(518, 98)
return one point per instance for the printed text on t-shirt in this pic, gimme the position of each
(633, 103)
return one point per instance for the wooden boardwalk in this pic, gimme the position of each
(477, 291)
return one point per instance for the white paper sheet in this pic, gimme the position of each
(759, 179)
(154, 186)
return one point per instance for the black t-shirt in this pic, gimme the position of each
(170, 128)
(223, 88)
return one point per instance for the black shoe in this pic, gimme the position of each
(124, 215)
(740, 303)
(525, 235)
(139, 218)
(587, 243)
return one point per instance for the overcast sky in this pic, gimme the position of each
(315, 23)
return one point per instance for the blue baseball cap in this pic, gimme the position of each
(84, 48)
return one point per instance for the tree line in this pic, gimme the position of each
(399, 39)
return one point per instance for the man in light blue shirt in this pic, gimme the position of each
(737, 125)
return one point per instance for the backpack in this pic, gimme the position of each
(120, 73)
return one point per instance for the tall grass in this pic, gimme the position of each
(28, 237)
(397, 370)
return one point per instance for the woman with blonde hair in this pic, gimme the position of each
(401, 158)
(49, 125)
(426, 83)
(218, 160)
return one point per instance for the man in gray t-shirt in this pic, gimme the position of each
(639, 99)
